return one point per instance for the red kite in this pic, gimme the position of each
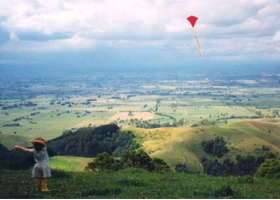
(192, 20)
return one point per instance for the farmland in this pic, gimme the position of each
(32, 106)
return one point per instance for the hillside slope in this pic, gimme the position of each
(183, 145)
(10, 140)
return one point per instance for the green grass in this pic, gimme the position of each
(69, 163)
(136, 183)
(183, 144)
(54, 119)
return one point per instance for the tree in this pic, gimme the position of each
(103, 161)
(135, 159)
(138, 159)
(160, 165)
(216, 147)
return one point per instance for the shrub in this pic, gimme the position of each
(181, 168)
(137, 159)
(103, 161)
(224, 191)
(216, 147)
(134, 159)
(269, 167)
(160, 165)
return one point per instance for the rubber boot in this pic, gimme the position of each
(45, 187)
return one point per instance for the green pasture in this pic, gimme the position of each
(69, 163)
(183, 144)
(52, 120)
(137, 184)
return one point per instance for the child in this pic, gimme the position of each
(41, 170)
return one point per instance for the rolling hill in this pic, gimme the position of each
(182, 145)
(175, 145)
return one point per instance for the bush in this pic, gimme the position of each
(269, 167)
(181, 168)
(244, 165)
(104, 161)
(137, 159)
(216, 147)
(133, 159)
(224, 191)
(160, 165)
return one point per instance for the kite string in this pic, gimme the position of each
(197, 40)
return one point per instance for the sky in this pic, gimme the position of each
(138, 33)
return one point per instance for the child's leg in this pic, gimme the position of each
(44, 185)
(38, 184)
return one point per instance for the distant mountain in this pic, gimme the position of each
(89, 142)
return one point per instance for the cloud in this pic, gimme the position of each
(276, 37)
(224, 27)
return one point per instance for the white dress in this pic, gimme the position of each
(41, 168)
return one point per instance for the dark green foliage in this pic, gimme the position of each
(269, 168)
(3, 149)
(224, 191)
(246, 165)
(131, 182)
(104, 161)
(216, 147)
(130, 159)
(91, 141)
(181, 168)
(137, 159)
(57, 174)
(248, 179)
(212, 167)
(243, 165)
(160, 165)
(228, 167)
(16, 160)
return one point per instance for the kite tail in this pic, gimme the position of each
(197, 40)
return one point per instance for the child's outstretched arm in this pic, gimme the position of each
(21, 148)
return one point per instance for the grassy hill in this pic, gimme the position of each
(178, 145)
(183, 144)
(10, 140)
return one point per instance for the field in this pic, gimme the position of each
(31, 107)
(69, 163)
(136, 183)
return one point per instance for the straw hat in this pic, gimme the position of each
(39, 140)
